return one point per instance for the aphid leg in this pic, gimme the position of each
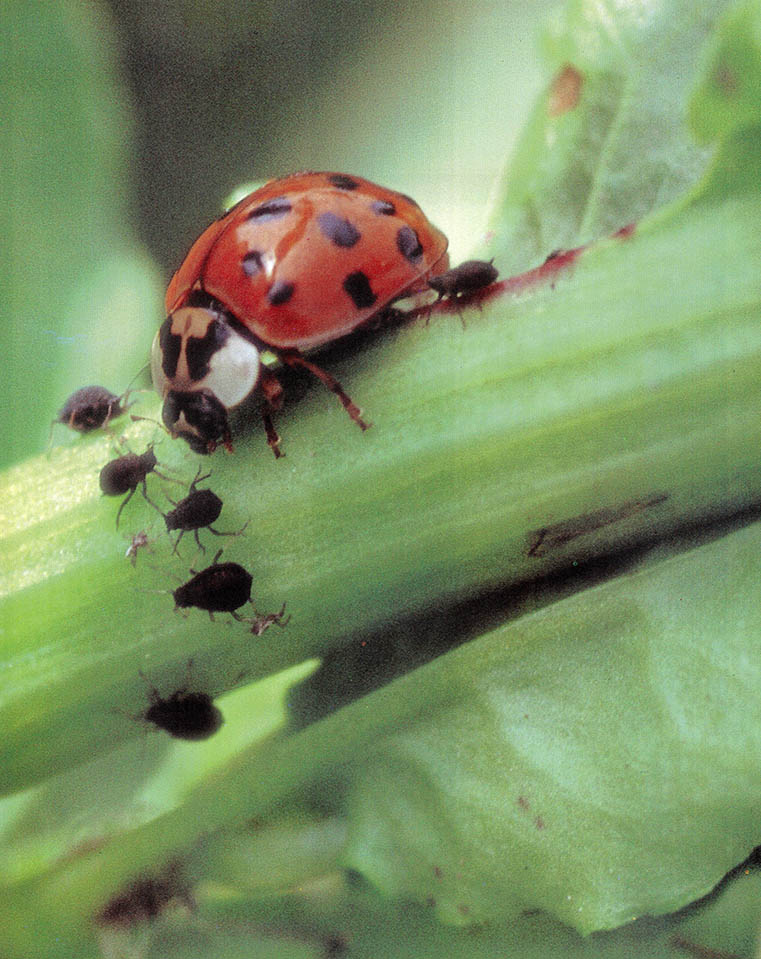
(126, 500)
(236, 532)
(200, 544)
(177, 542)
(169, 479)
(293, 358)
(198, 479)
(50, 439)
(153, 694)
(147, 497)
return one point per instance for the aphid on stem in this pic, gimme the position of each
(198, 510)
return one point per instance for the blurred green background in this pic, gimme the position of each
(127, 125)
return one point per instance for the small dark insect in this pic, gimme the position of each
(146, 897)
(138, 541)
(262, 622)
(184, 715)
(220, 588)
(197, 510)
(467, 278)
(126, 473)
(90, 408)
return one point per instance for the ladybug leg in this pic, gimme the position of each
(272, 390)
(293, 358)
(273, 437)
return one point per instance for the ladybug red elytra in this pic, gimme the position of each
(300, 262)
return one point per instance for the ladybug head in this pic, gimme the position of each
(198, 417)
(202, 367)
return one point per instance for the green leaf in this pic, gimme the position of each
(607, 400)
(136, 783)
(729, 94)
(607, 407)
(607, 143)
(330, 917)
(79, 298)
(597, 760)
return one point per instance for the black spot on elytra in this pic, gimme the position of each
(170, 344)
(342, 181)
(280, 292)
(271, 210)
(337, 230)
(384, 208)
(358, 287)
(252, 263)
(408, 244)
(200, 349)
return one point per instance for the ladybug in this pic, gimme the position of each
(299, 263)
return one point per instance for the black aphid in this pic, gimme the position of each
(220, 588)
(198, 510)
(146, 897)
(90, 408)
(184, 715)
(468, 277)
(125, 473)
